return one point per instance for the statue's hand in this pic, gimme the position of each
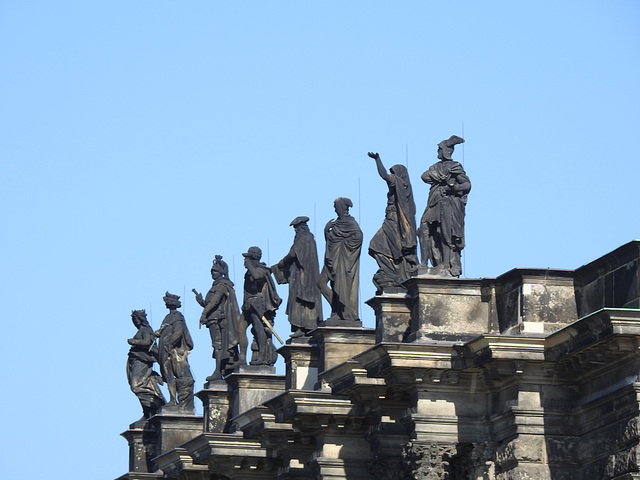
(375, 156)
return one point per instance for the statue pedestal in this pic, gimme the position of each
(393, 316)
(174, 429)
(301, 360)
(337, 344)
(216, 400)
(448, 308)
(251, 385)
(143, 446)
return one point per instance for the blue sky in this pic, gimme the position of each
(139, 139)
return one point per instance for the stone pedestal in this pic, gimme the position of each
(252, 385)
(301, 361)
(535, 300)
(337, 344)
(216, 400)
(174, 429)
(143, 446)
(446, 308)
(393, 316)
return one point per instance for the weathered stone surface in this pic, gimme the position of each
(448, 308)
(250, 386)
(339, 344)
(611, 281)
(301, 360)
(393, 316)
(216, 400)
(174, 430)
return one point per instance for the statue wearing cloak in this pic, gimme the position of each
(261, 301)
(299, 268)
(343, 239)
(442, 224)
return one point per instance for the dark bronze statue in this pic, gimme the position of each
(394, 246)
(221, 316)
(299, 268)
(259, 307)
(142, 379)
(442, 226)
(174, 345)
(341, 269)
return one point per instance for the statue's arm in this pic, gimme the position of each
(256, 272)
(145, 340)
(462, 185)
(381, 170)
(199, 298)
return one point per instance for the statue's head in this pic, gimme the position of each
(219, 268)
(139, 317)
(299, 222)
(400, 170)
(253, 253)
(445, 147)
(342, 205)
(171, 300)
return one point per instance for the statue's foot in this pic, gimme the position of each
(214, 377)
(297, 334)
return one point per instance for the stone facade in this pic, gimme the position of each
(530, 375)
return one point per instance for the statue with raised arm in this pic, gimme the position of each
(259, 307)
(343, 239)
(142, 354)
(221, 316)
(299, 268)
(174, 345)
(394, 246)
(442, 225)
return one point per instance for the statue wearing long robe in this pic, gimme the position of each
(343, 239)
(442, 224)
(394, 246)
(299, 268)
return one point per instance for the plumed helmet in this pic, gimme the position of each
(447, 145)
(220, 266)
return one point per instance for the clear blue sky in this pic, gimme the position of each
(138, 139)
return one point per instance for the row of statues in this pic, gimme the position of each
(394, 247)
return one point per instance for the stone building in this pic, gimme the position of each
(530, 375)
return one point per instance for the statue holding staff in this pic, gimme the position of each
(143, 380)
(174, 345)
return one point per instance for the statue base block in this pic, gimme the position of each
(259, 369)
(252, 385)
(304, 340)
(337, 344)
(338, 322)
(301, 361)
(216, 399)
